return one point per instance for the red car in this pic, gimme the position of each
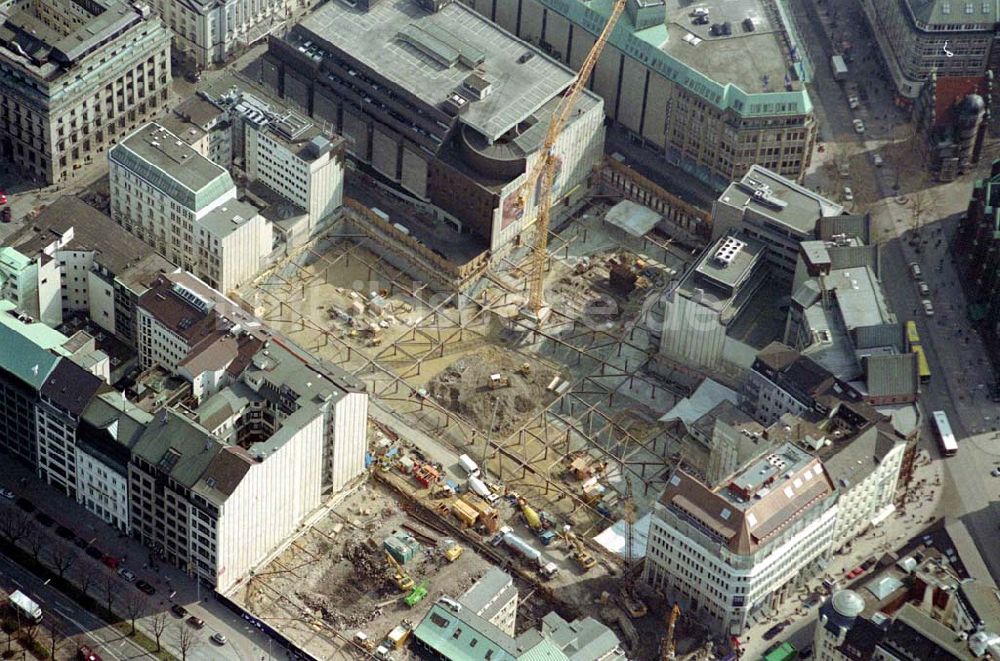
(857, 571)
(3, 198)
(87, 654)
(110, 561)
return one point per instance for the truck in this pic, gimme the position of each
(839, 67)
(471, 468)
(479, 487)
(25, 606)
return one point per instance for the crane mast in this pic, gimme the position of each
(546, 166)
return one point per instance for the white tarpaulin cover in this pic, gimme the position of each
(613, 539)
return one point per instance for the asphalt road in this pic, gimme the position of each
(72, 619)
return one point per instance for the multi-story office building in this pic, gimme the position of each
(729, 550)
(185, 206)
(773, 210)
(917, 37)
(211, 32)
(108, 429)
(493, 598)
(781, 381)
(436, 99)
(713, 96)
(80, 261)
(76, 77)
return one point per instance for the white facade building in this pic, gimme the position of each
(184, 205)
(728, 552)
(102, 489)
(494, 598)
(211, 32)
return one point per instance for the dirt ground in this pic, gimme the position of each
(465, 387)
(337, 572)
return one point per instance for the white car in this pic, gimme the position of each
(9, 495)
(859, 126)
(915, 270)
(126, 574)
(700, 11)
(928, 307)
(848, 194)
(219, 639)
(924, 289)
(877, 160)
(853, 102)
(995, 472)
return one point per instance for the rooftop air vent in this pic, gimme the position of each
(728, 251)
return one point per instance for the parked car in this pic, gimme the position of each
(87, 654)
(859, 126)
(219, 639)
(44, 519)
(806, 652)
(928, 307)
(126, 574)
(995, 472)
(25, 504)
(869, 563)
(9, 495)
(3, 198)
(848, 194)
(178, 610)
(877, 160)
(857, 571)
(5, 215)
(146, 587)
(95, 553)
(813, 601)
(196, 622)
(65, 532)
(775, 631)
(915, 270)
(80, 542)
(111, 561)
(853, 103)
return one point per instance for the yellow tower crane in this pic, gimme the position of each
(546, 166)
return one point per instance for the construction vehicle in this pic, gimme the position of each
(464, 512)
(426, 475)
(530, 515)
(453, 550)
(499, 381)
(579, 553)
(524, 369)
(402, 579)
(668, 651)
(398, 636)
(546, 168)
(417, 595)
(488, 516)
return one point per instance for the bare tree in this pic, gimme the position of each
(14, 524)
(54, 635)
(920, 204)
(63, 557)
(37, 541)
(159, 626)
(87, 577)
(134, 606)
(185, 640)
(29, 630)
(109, 588)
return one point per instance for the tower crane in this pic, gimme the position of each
(630, 598)
(546, 166)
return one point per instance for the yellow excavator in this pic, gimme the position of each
(579, 553)
(402, 579)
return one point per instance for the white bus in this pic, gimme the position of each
(946, 438)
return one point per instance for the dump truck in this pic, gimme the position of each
(25, 606)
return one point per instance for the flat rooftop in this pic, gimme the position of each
(785, 203)
(172, 165)
(431, 55)
(755, 60)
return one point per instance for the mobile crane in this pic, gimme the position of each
(668, 650)
(547, 165)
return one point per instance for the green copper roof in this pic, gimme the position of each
(644, 46)
(13, 260)
(951, 12)
(21, 356)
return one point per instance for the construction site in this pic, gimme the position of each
(514, 411)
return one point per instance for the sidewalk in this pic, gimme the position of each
(921, 509)
(172, 586)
